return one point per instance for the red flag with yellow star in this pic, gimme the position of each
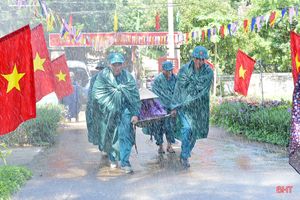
(295, 54)
(42, 65)
(17, 92)
(243, 71)
(63, 84)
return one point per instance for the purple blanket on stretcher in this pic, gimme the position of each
(151, 109)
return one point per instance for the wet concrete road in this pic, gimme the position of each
(222, 167)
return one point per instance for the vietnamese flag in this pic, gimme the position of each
(42, 64)
(243, 71)
(17, 92)
(295, 54)
(62, 80)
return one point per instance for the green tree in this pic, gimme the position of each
(208, 14)
(272, 45)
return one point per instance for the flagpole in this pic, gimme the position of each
(261, 81)
(171, 52)
(215, 74)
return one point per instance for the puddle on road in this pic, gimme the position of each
(243, 162)
(107, 174)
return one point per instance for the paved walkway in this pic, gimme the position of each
(222, 167)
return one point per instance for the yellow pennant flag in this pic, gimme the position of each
(115, 22)
(50, 22)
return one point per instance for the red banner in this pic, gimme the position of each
(112, 38)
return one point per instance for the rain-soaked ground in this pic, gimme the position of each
(222, 167)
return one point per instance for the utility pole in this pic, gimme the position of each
(261, 81)
(171, 53)
(216, 71)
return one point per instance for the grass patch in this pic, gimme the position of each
(265, 123)
(40, 131)
(11, 179)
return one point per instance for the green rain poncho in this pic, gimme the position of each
(191, 97)
(111, 97)
(89, 114)
(164, 88)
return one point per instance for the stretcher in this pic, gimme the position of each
(151, 109)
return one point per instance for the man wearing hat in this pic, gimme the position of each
(163, 86)
(191, 101)
(117, 103)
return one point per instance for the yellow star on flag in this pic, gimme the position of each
(38, 62)
(13, 79)
(61, 76)
(242, 72)
(297, 63)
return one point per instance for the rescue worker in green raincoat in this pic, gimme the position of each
(191, 101)
(117, 103)
(163, 86)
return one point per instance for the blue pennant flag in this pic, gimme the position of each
(229, 29)
(208, 34)
(283, 12)
(253, 23)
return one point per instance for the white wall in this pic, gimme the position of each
(275, 85)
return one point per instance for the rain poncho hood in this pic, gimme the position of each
(191, 97)
(111, 97)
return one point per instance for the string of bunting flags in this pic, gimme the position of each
(248, 25)
(103, 40)
(74, 34)
(52, 19)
